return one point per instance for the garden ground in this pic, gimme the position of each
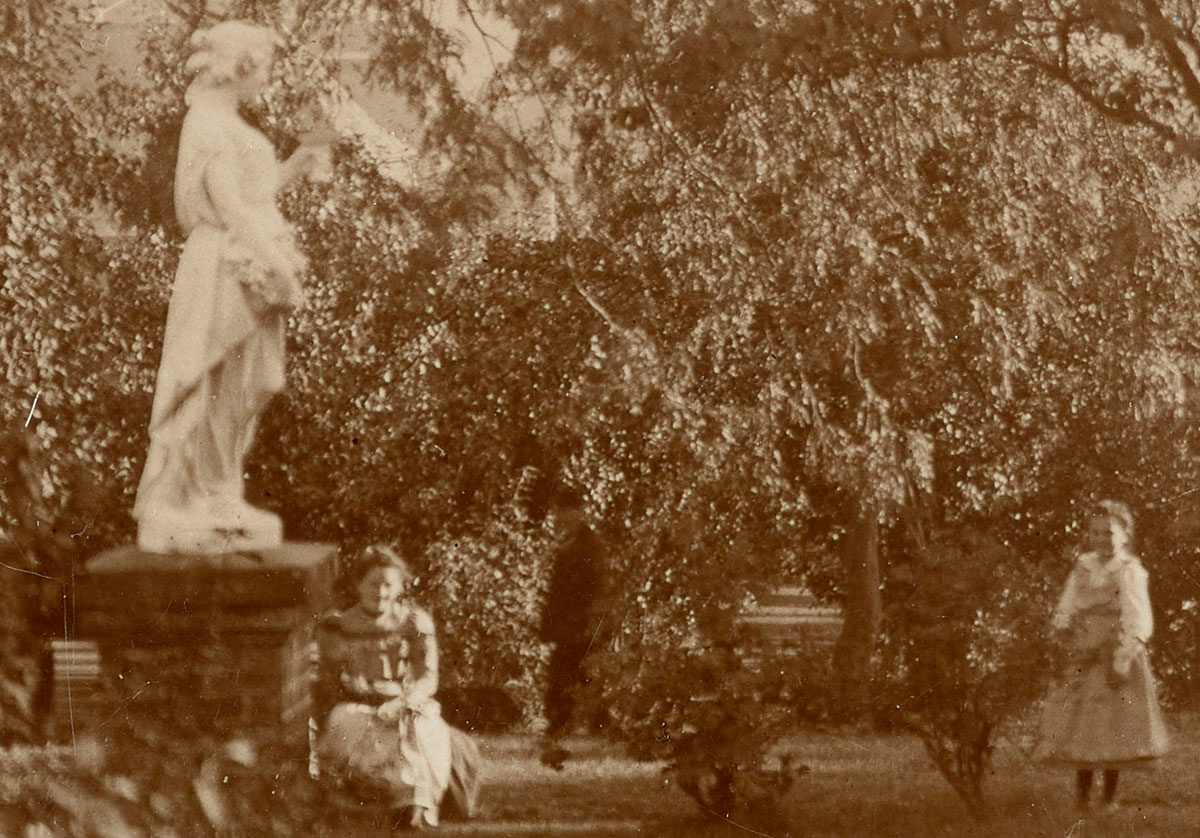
(858, 785)
(861, 785)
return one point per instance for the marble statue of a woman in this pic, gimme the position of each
(238, 277)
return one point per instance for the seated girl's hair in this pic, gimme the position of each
(381, 555)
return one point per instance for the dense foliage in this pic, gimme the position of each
(811, 265)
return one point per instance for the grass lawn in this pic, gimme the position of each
(858, 786)
(865, 786)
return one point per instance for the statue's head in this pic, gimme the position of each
(232, 53)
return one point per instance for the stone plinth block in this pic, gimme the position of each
(199, 644)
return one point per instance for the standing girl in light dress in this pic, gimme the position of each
(1103, 714)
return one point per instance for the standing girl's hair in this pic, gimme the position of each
(1119, 514)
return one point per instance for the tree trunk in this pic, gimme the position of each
(862, 610)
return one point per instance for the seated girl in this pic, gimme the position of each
(378, 673)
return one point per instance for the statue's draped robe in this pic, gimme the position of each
(223, 350)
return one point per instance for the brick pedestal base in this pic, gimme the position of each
(214, 645)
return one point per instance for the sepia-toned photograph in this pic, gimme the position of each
(602, 418)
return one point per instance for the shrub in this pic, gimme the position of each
(967, 649)
(485, 588)
(684, 681)
(40, 541)
(1168, 550)
(149, 780)
(480, 709)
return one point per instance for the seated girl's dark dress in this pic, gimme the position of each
(384, 731)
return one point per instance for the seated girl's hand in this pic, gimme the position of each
(384, 687)
(391, 711)
(355, 683)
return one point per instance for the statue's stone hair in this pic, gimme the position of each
(228, 51)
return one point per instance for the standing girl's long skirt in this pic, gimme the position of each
(1090, 724)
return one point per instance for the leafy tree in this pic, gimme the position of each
(817, 269)
(888, 261)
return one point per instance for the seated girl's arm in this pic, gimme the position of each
(414, 694)
(424, 688)
(387, 687)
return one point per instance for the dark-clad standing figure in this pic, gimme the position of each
(574, 620)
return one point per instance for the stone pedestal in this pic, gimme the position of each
(216, 529)
(199, 644)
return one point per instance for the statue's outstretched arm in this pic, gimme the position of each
(223, 190)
